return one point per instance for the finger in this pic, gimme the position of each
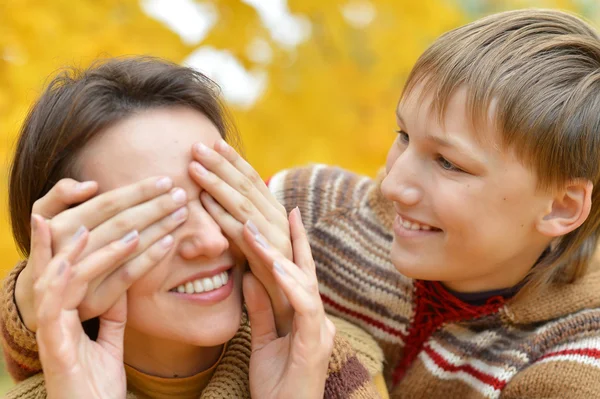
(232, 189)
(143, 216)
(105, 260)
(229, 224)
(234, 229)
(50, 332)
(268, 254)
(105, 206)
(112, 327)
(62, 195)
(260, 312)
(123, 277)
(247, 170)
(41, 246)
(301, 290)
(67, 254)
(300, 244)
(158, 231)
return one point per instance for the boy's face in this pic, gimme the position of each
(467, 211)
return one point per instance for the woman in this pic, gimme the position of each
(125, 129)
(470, 257)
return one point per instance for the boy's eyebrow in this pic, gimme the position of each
(400, 118)
(465, 150)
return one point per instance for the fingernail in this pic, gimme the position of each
(34, 223)
(298, 211)
(164, 184)
(261, 241)
(167, 241)
(180, 214)
(252, 227)
(179, 196)
(278, 268)
(79, 232)
(84, 185)
(201, 149)
(132, 235)
(201, 170)
(61, 268)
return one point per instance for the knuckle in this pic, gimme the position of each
(38, 206)
(122, 225)
(63, 188)
(38, 288)
(245, 186)
(312, 286)
(147, 189)
(246, 207)
(127, 276)
(255, 178)
(107, 205)
(312, 310)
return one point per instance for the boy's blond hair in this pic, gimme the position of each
(539, 72)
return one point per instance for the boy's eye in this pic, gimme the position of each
(402, 136)
(447, 165)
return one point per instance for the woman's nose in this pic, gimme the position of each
(201, 236)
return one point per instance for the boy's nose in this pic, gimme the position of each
(201, 235)
(402, 184)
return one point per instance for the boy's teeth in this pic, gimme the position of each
(203, 285)
(413, 225)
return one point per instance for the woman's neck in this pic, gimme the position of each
(167, 358)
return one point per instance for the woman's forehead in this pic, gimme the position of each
(151, 143)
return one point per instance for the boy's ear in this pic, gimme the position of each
(569, 208)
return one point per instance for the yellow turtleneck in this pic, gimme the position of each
(146, 386)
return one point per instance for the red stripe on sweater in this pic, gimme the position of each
(595, 353)
(362, 317)
(467, 368)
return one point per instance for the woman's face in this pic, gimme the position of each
(158, 142)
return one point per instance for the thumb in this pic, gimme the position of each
(112, 327)
(260, 312)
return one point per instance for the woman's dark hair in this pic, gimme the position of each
(79, 104)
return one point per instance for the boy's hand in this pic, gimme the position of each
(233, 194)
(151, 207)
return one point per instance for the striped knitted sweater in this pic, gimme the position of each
(354, 367)
(436, 346)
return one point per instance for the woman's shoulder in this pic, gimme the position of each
(34, 387)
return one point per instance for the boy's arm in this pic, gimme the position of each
(18, 342)
(573, 375)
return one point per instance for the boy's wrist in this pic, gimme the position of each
(24, 299)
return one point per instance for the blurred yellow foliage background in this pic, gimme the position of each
(329, 98)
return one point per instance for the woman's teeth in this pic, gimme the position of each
(413, 225)
(204, 284)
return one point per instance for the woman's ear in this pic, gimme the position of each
(568, 209)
